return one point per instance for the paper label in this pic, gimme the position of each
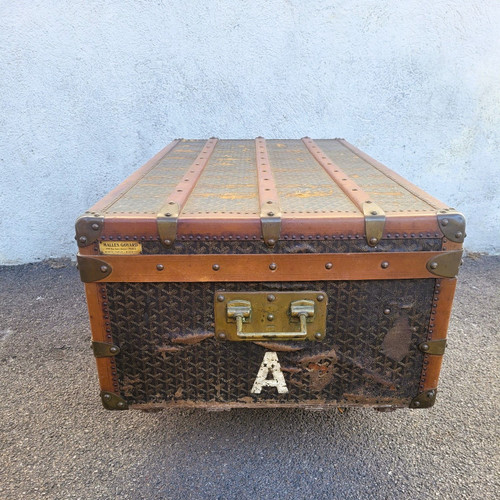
(120, 247)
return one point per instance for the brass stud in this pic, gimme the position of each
(167, 242)
(271, 297)
(374, 212)
(384, 265)
(318, 335)
(160, 267)
(445, 222)
(168, 214)
(107, 396)
(433, 265)
(328, 265)
(216, 267)
(459, 234)
(113, 349)
(82, 239)
(270, 214)
(120, 404)
(221, 335)
(387, 311)
(270, 317)
(273, 266)
(95, 226)
(220, 298)
(104, 269)
(373, 240)
(271, 241)
(425, 347)
(320, 297)
(416, 403)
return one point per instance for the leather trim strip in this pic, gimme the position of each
(374, 215)
(262, 267)
(270, 210)
(169, 213)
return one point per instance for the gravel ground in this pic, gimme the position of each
(57, 441)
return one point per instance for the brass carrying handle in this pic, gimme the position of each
(239, 309)
(296, 335)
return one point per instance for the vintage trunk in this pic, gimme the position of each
(254, 273)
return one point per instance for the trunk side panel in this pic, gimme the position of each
(168, 352)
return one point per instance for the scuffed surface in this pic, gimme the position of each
(396, 344)
(91, 90)
(59, 443)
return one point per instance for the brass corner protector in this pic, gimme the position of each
(425, 399)
(452, 225)
(166, 221)
(112, 401)
(104, 349)
(88, 229)
(92, 269)
(435, 347)
(446, 264)
(374, 222)
(271, 229)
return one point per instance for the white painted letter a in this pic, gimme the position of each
(270, 364)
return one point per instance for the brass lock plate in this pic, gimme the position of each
(251, 316)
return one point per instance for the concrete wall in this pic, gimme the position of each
(91, 89)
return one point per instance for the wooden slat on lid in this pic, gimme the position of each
(407, 185)
(170, 211)
(270, 211)
(374, 215)
(113, 196)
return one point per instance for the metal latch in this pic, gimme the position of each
(104, 349)
(270, 316)
(433, 347)
(374, 222)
